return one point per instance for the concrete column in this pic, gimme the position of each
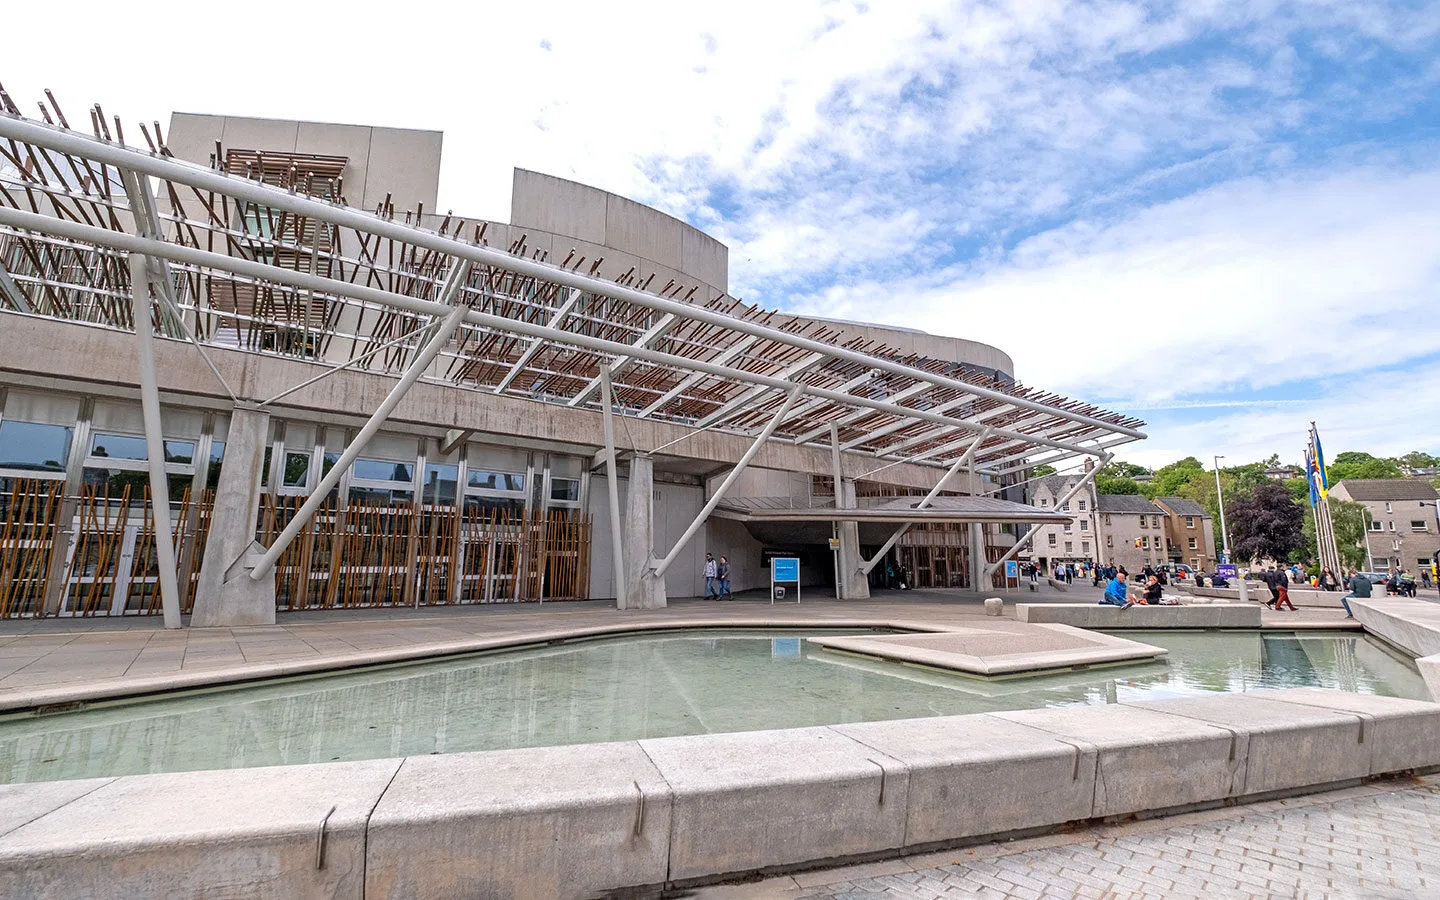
(977, 558)
(643, 588)
(853, 583)
(226, 596)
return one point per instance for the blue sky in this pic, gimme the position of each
(1224, 217)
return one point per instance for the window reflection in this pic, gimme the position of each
(33, 447)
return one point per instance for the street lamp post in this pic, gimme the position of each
(1220, 495)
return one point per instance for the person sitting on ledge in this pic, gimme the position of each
(1153, 590)
(1116, 593)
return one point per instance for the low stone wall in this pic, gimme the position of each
(585, 820)
(1259, 593)
(1412, 625)
(1101, 615)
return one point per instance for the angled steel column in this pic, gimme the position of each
(322, 490)
(1065, 498)
(867, 565)
(612, 487)
(154, 441)
(719, 494)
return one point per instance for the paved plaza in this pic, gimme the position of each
(45, 660)
(1380, 840)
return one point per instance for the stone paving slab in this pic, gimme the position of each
(980, 651)
(1380, 840)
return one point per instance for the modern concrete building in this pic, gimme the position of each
(1401, 530)
(347, 398)
(1189, 533)
(1132, 531)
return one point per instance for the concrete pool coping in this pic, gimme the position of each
(667, 813)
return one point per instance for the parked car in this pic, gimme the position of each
(1376, 578)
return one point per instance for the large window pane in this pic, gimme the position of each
(366, 496)
(498, 505)
(440, 484)
(495, 481)
(384, 470)
(217, 459)
(297, 469)
(565, 489)
(118, 446)
(26, 445)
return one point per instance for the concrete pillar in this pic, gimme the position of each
(226, 596)
(853, 583)
(978, 582)
(644, 590)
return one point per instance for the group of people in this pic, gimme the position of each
(1117, 591)
(717, 578)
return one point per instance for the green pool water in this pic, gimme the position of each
(635, 687)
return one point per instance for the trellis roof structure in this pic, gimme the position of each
(262, 254)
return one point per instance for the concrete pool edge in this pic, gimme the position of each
(65, 696)
(588, 819)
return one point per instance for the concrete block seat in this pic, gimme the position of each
(1100, 615)
(601, 819)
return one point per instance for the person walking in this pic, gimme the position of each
(1282, 591)
(722, 572)
(1272, 581)
(712, 569)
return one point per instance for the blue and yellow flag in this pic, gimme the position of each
(1318, 479)
(1310, 477)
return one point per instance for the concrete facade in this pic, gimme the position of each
(1078, 541)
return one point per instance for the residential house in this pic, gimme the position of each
(1132, 531)
(1401, 530)
(1075, 541)
(1189, 533)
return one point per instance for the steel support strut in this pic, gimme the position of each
(612, 486)
(1065, 498)
(154, 441)
(867, 565)
(353, 450)
(734, 473)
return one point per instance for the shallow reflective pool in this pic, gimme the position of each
(634, 687)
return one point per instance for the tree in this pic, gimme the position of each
(1042, 471)
(1170, 480)
(1122, 469)
(1353, 464)
(1418, 459)
(1299, 489)
(1109, 485)
(1266, 524)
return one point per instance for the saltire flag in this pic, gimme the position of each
(1310, 478)
(1321, 481)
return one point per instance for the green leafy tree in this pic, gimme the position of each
(1299, 490)
(1042, 471)
(1266, 524)
(1109, 485)
(1122, 469)
(1170, 480)
(1354, 464)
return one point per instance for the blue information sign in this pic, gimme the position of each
(785, 569)
(1012, 569)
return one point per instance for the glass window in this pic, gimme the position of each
(1067, 527)
(129, 446)
(217, 459)
(1189, 521)
(1044, 503)
(1052, 538)
(566, 490)
(297, 469)
(1418, 525)
(370, 496)
(1084, 546)
(1069, 546)
(1084, 524)
(495, 481)
(1193, 545)
(384, 470)
(1082, 505)
(486, 505)
(38, 448)
(1065, 507)
(440, 484)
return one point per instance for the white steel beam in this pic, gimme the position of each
(689, 381)
(612, 487)
(170, 169)
(867, 565)
(740, 403)
(535, 345)
(194, 256)
(730, 478)
(621, 363)
(154, 442)
(363, 436)
(11, 291)
(906, 394)
(994, 567)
